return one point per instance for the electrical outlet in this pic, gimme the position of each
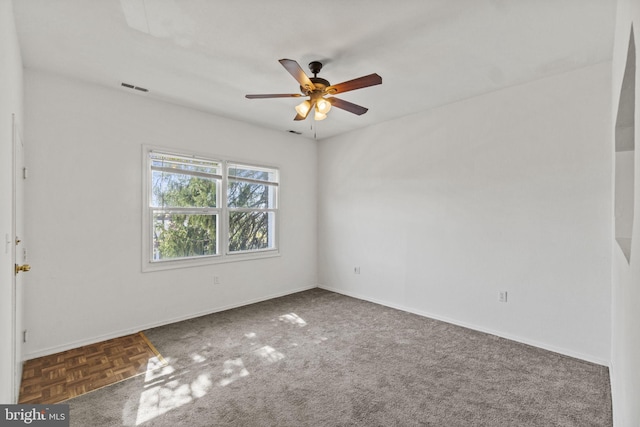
(216, 280)
(503, 296)
(356, 270)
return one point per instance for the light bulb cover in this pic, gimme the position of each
(323, 106)
(319, 116)
(303, 108)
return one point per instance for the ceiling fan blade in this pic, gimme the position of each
(299, 117)
(347, 106)
(298, 73)
(359, 83)
(274, 95)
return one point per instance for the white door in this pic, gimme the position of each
(19, 253)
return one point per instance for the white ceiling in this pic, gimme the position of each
(207, 54)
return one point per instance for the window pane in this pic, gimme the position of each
(253, 173)
(160, 160)
(178, 235)
(179, 190)
(250, 195)
(251, 231)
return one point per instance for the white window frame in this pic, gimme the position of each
(223, 254)
(273, 202)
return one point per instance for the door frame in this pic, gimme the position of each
(17, 164)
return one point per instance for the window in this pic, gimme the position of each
(204, 210)
(251, 203)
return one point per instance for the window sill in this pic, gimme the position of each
(148, 267)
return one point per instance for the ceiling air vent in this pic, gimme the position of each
(141, 89)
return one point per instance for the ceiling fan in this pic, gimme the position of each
(317, 88)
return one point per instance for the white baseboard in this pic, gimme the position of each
(138, 328)
(143, 327)
(533, 343)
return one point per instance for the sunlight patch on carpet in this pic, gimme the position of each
(233, 370)
(269, 354)
(293, 318)
(165, 390)
(197, 358)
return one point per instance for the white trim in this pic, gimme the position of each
(613, 382)
(16, 366)
(210, 260)
(144, 327)
(515, 338)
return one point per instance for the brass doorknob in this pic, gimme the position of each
(25, 267)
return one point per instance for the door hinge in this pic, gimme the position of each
(25, 173)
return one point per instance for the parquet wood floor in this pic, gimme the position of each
(58, 377)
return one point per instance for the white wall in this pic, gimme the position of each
(510, 191)
(83, 149)
(625, 354)
(10, 103)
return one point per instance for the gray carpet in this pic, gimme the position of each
(317, 358)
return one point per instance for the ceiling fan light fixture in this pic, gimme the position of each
(303, 108)
(323, 106)
(319, 116)
(316, 88)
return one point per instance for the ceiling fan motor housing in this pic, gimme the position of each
(320, 84)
